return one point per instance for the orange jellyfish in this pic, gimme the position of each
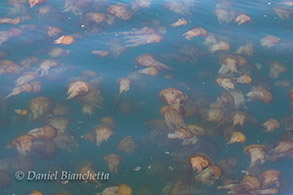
(195, 32)
(21, 112)
(113, 161)
(199, 162)
(121, 189)
(36, 2)
(220, 46)
(276, 69)
(58, 52)
(9, 67)
(270, 178)
(238, 118)
(284, 148)
(95, 17)
(121, 10)
(224, 15)
(259, 93)
(249, 184)
(209, 175)
(127, 144)
(26, 78)
(228, 65)
(179, 22)
(149, 60)
(271, 124)
(102, 133)
(183, 133)
(89, 169)
(243, 18)
(78, 88)
(45, 66)
(20, 89)
(244, 79)
(213, 114)
(173, 97)
(246, 49)
(41, 106)
(23, 144)
(45, 132)
(124, 84)
(152, 71)
(226, 82)
(269, 41)
(7, 20)
(237, 137)
(65, 40)
(173, 117)
(257, 154)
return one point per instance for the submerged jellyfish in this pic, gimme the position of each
(238, 118)
(244, 79)
(291, 94)
(271, 124)
(183, 133)
(173, 117)
(77, 88)
(89, 170)
(284, 148)
(199, 162)
(149, 60)
(228, 65)
(237, 137)
(41, 106)
(36, 2)
(259, 93)
(257, 154)
(102, 133)
(127, 144)
(209, 175)
(65, 40)
(246, 49)
(243, 18)
(226, 82)
(276, 69)
(124, 84)
(213, 114)
(45, 132)
(23, 144)
(113, 161)
(179, 22)
(7, 20)
(220, 46)
(195, 32)
(173, 97)
(269, 41)
(45, 66)
(270, 178)
(121, 189)
(121, 11)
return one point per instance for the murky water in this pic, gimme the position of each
(103, 65)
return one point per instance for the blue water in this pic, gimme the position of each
(162, 161)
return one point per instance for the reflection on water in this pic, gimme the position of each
(167, 97)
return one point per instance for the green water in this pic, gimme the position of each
(193, 70)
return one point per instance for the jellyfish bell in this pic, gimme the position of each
(23, 144)
(199, 162)
(89, 169)
(173, 117)
(41, 107)
(173, 97)
(95, 17)
(270, 178)
(195, 32)
(259, 93)
(22, 112)
(102, 133)
(127, 145)
(276, 69)
(271, 124)
(243, 18)
(237, 137)
(257, 153)
(228, 65)
(149, 60)
(36, 2)
(58, 52)
(238, 118)
(121, 11)
(269, 41)
(244, 79)
(45, 132)
(209, 175)
(124, 84)
(113, 161)
(78, 88)
(246, 49)
(284, 148)
(65, 40)
(214, 115)
(181, 133)
(179, 22)
(226, 82)
(220, 46)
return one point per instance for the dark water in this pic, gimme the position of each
(194, 68)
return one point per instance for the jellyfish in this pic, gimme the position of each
(10, 33)
(77, 88)
(100, 53)
(91, 101)
(173, 117)
(127, 144)
(58, 52)
(238, 118)
(45, 66)
(44, 132)
(244, 79)
(257, 154)
(195, 32)
(41, 107)
(284, 148)
(213, 114)
(66, 141)
(121, 11)
(102, 133)
(36, 2)
(26, 77)
(226, 82)
(209, 175)
(238, 99)
(237, 137)
(270, 178)
(89, 169)
(23, 144)
(65, 40)
(269, 41)
(173, 97)
(7, 20)
(95, 17)
(199, 162)
(243, 18)
(113, 161)
(282, 12)
(246, 49)
(183, 133)
(142, 3)
(142, 36)
(249, 184)
(229, 165)
(151, 71)
(124, 84)
(179, 22)
(225, 98)
(108, 121)
(77, 6)
(149, 60)
(196, 129)
(276, 69)
(59, 123)
(54, 32)
(291, 93)
(121, 189)
(259, 93)
(9, 67)
(220, 46)
(271, 124)
(21, 112)
(228, 65)
(20, 89)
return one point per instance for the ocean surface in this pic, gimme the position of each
(153, 163)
